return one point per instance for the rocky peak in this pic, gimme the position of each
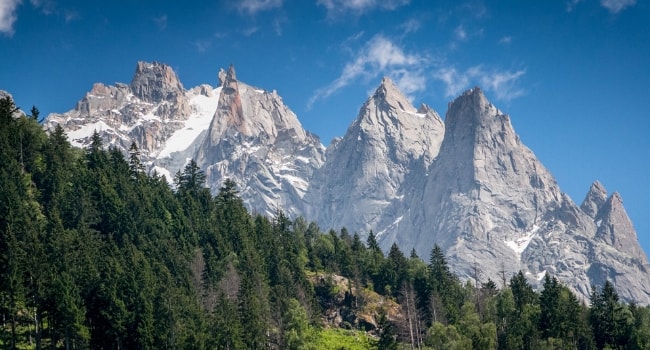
(388, 96)
(487, 196)
(221, 76)
(469, 111)
(365, 170)
(230, 112)
(155, 82)
(594, 199)
(615, 228)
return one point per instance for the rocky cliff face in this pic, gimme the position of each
(257, 141)
(490, 204)
(469, 184)
(366, 169)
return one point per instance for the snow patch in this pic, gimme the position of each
(194, 125)
(419, 115)
(391, 226)
(76, 136)
(164, 173)
(520, 244)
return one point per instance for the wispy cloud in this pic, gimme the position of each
(460, 33)
(571, 5)
(506, 40)
(161, 22)
(249, 31)
(476, 9)
(503, 83)
(616, 6)
(379, 56)
(358, 7)
(8, 16)
(202, 45)
(51, 7)
(252, 7)
(70, 15)
(410, 26)
(48, 7)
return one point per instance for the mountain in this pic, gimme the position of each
(258, 142)
(154, 111)
(468, 184)
(495, 209)
(366, 169)
(233, 131)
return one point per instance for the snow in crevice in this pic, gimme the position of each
(519, 244)
(538, 276)
(76, 136)
(390, 227)
(205, 108)
(415, 114)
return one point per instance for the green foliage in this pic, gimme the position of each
(94, 253)
(448, 337)
(337, 339)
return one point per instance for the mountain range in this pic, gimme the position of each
(467, 183)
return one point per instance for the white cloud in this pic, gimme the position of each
(506, 40)
(454, 81)
(409, 81)
(379, 56)
(571, 5)
(48, 7)
(161, 22)
(8, 16)
(202, 45)
(411, 26)
(461, 33)
(616, 6)
(70, 15)
(251, 7)
(335, 7)
(249, 31)
(502, 83)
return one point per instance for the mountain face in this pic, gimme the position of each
(258, 142)
(490, 204)
(232, 131)
(365, 170)
(467, 184)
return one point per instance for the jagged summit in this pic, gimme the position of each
(387, 95)
(155, 82)
(365, 171)
(616, 229)
(231, 75)
(257, 141)
(594, 199)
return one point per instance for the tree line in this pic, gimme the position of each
(94, 253)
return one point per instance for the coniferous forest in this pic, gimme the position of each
(95, 254)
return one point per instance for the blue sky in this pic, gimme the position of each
(574, 75)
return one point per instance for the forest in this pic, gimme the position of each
(96, 254)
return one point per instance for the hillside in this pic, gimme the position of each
(96, 254)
